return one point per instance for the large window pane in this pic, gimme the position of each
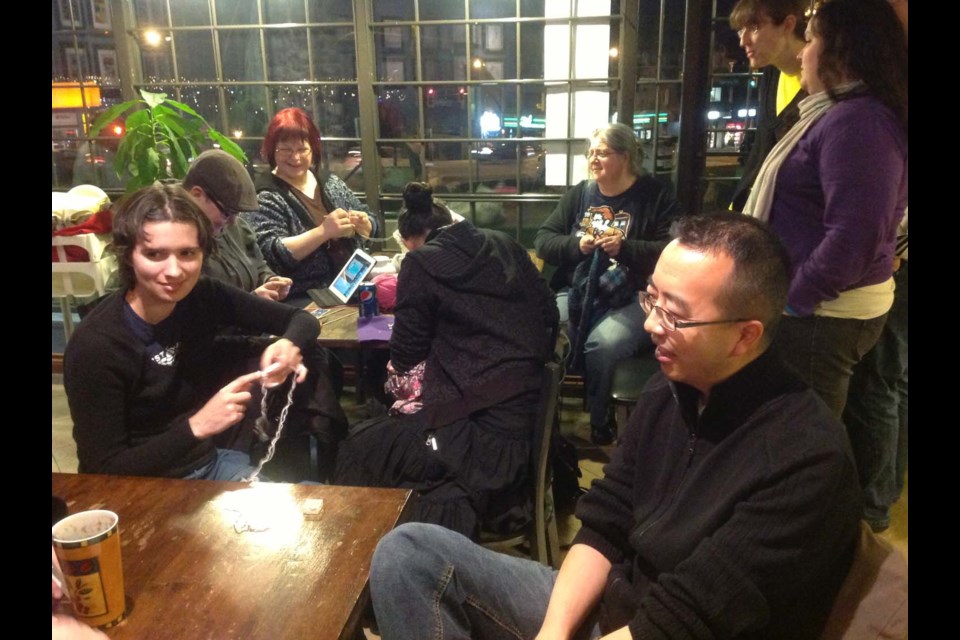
(396, 10)
(189, 13)
(195, 55)
(442, 10)
(280, 11)
(444, 52)
(287, 57)
(204, 100)
(240, 55)
(493, 9)
(333, 108)
(331, 11)
(157, 63)
(246, 111)
(397, 108)
(237, 12)
(334, 53)
(531, 55)
(396, 55)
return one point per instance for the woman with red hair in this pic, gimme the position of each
(309, 220)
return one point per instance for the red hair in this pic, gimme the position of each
(290, 123)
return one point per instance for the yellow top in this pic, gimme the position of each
(787, 87)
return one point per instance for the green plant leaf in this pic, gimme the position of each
(152, 99)
(110, 115)
(171, 120)
(186, 108)
(148, 167)
(227, 145)
(139, 122)
(179, 163)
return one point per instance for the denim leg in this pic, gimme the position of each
(619, 334)
(823, 352)
(228, 465)
(875, 414)
(430, 583)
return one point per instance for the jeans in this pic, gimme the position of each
(617, 335)
(876, 412)
(427, 582)
(228, 465)
(823, 352)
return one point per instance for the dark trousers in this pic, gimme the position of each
(876, 412)
(823, 351)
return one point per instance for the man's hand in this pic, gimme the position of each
(276, 288)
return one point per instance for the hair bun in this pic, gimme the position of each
(418, 197)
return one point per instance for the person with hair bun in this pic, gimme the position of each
(309, 220)
(475, 322)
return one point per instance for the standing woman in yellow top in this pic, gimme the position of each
(771, 34)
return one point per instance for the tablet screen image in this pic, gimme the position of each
(352, 274)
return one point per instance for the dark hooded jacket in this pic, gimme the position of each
(471, 303)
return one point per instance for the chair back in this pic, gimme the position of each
(872, 602)
(541, 535)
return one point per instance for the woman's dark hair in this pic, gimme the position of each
(291, 124)
(156, 203)
(421, 212)
(863, 40)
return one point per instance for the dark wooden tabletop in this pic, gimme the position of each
(338, 329)
(189, 573)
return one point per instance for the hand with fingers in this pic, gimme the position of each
(279, 360)
(276, 288)
(225, 408)
(337, 224)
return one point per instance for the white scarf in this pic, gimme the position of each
(811, 109)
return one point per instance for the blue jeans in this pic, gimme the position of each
(876, 412)
(430, 583)
(617, 335)
(228, 465)
(823, 352)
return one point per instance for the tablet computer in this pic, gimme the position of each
(347, 281)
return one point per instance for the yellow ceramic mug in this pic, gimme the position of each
(88, 548)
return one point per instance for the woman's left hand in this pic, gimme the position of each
(611, 244)
(280, 359)
(361, 223)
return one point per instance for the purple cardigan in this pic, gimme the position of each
(839, 196)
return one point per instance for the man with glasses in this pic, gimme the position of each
(222, 188)
(771, 33)
(730, 508)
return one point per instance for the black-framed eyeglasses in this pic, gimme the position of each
(669, 321)
(224, 211)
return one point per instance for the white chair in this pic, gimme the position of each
(79, 279)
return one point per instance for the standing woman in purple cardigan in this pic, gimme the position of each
(835, 187)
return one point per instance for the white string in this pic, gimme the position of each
(283, 419)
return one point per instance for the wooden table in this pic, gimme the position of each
(188, 573)
(338, 329)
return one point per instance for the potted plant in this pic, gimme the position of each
(160, 140)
